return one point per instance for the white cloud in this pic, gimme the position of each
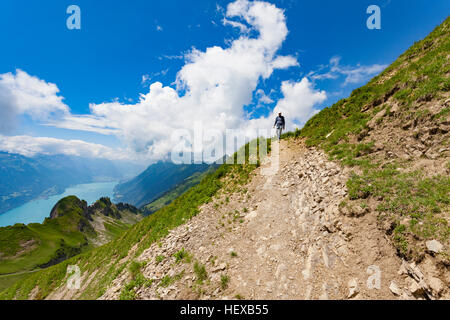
(30, 146)
(299, 100)
(22, 94)
(172, 57)
(242, 27)
(212, 87)
(147, 78)
(353, 74)
(297, 105)
(262, 97)
(159, 28)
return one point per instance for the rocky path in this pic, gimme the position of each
(284, 239)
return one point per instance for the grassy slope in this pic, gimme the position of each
(156, 180)
(174, 193)
(108, 261)
(7, 281)
(415, 79)
(420, 74)
(46, 237)
(54, 239)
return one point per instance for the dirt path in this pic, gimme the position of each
(288, 240)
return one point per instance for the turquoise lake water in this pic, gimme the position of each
(39, 209)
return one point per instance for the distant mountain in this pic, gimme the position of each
(156, 181)
(176, 191)
(23, 178)
(72, 228)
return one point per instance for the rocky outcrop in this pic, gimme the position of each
(70, 204)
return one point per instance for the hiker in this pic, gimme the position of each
(280, 124)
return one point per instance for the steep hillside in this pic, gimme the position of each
(73, 227)
(353, 206)
(394, 134)
(155, 181)
(176, 191)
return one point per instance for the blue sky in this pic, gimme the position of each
(122, 43)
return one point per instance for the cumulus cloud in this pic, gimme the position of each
(30, 146)
(353, 74)
(22, 94)
(212, 87)
(299, 100)
(297, 105)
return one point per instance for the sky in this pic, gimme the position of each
(140, 76)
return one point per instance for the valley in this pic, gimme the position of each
(355, 205)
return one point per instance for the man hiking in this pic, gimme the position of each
(280, 124)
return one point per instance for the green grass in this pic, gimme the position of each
(175, 192)
(116, 228)
(182, 255)
(135, 268)
(224, 280)
(7, 281)
(129, 291)
(200, 272)
(168, 280)
(159, 259)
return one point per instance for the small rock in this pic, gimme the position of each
(372, 123)
(358, 211)
(434, 246)
(395, 289)
(436, 285)
(416, 289)
(251, 215)
(395, 108)
(220, 267)
(353, 288)
(403, 269)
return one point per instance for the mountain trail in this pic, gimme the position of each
(285, 238)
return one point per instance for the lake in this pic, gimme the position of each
(39, 209)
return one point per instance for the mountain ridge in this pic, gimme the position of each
(358, 196)
(71, 228)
